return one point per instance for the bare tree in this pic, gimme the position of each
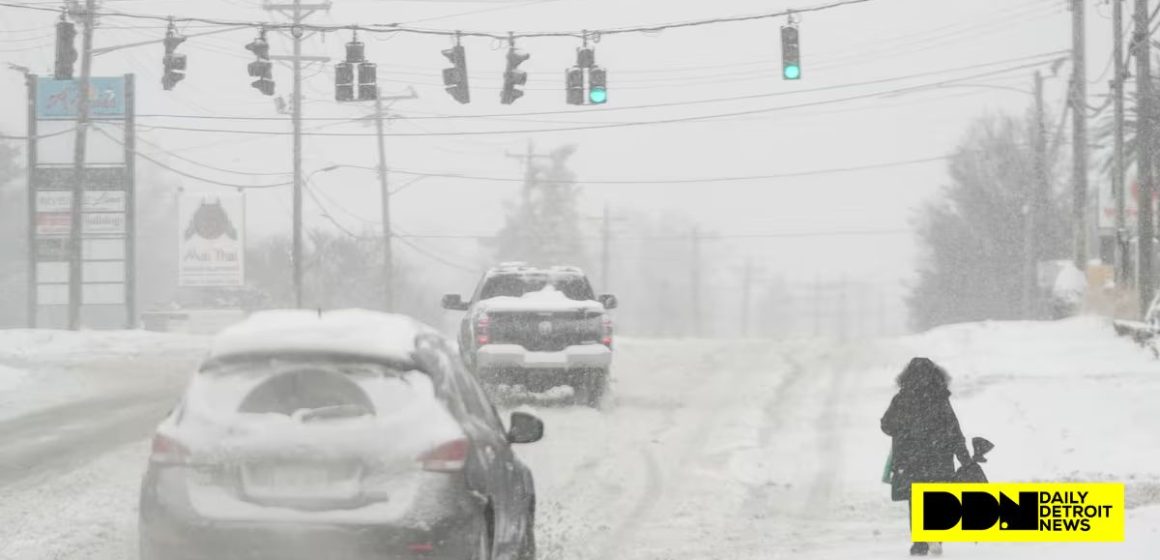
(973, 256)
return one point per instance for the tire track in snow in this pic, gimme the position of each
(45, 443)
(707, 407)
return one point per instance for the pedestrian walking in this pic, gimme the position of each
(926, 437)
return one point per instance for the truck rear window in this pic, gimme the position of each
(573, 286)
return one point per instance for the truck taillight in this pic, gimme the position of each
(606, 337)
(483, 330)
(449, 457)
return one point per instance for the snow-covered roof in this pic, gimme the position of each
(348, 332)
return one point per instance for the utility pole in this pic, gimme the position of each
(746, 294)
(1145, 142)
(1118, 144)
(296, 32)
(817, 306)
(1079, 134)
(76, 260)
(529, 170)
(297, 12)
(695, 279)
(605, 247)
(1039, 188)
(388, 235)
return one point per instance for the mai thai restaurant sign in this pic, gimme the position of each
(211, 240)
(59, 99)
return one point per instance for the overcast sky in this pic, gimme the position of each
(815, 124)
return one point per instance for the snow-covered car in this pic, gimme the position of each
(539, 328)
(344, 434)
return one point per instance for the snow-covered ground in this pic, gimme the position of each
(43, 368)
(710, 449)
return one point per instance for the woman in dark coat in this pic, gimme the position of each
(925, 431)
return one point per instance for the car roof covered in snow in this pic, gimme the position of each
(355, 333)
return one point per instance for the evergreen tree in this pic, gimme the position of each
(543, 227)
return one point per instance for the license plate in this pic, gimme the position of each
(301, 481)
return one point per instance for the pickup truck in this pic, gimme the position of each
(539, 328)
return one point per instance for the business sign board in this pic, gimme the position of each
(211, 240)
(94, 201)
(95, 178)
(1107, 211)
(59, 99)
(106, 201)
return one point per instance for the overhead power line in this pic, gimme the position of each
(1039, 58)
(675, 120)
(166, 167)
(505, 35)
(733, 179)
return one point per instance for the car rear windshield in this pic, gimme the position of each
(290, 386)
(573, 286)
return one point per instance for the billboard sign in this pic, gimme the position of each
(211, 240)
(58, 99)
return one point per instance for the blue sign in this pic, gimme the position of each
(57, 99)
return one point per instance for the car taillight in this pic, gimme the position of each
(606, 338)
(449, 457)
(483, 330)
(168, 450)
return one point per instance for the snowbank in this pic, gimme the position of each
(1062, 401)
(22, 345)
(42, 368)
(11, 378)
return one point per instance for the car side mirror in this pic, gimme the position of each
(608, 301)
(525, 428)
(454, 302)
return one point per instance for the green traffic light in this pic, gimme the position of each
(598, 95)
(792, 72)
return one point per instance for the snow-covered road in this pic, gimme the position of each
(710, 449)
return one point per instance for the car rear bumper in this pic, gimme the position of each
(514, 356)
(169, 529)
(170, 540)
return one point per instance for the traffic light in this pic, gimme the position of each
(455, 78)
(574, 78)
(344, 81)
(66, 51)
(355, 51)
(585, 57)
(791, 67)
(368, 86)
(356, 66)
(597, 85)
(513, 76)
(174, 63)
(262, 68)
